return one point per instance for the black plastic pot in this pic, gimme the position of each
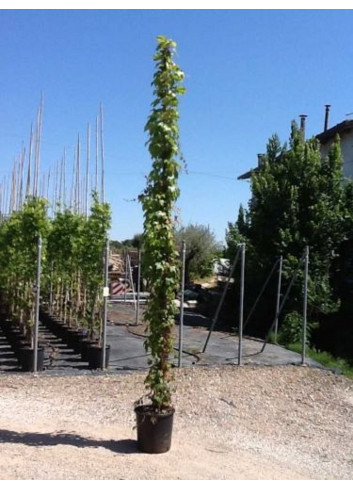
(26, 357)
(56, 325)
(95, 356)
(154, 430)
(6, 325)
(13, 334)
(85, 345)
(19, 346)
(49, 320)
(74, 339)
(64, 332)
(44, 317)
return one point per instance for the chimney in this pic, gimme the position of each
(327, 112)
(259, 159)
(302, 124)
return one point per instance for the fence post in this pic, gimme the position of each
(138, 287)
(181, 319)
(305, 302)
(241, 304)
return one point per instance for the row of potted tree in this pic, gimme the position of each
(72, 270)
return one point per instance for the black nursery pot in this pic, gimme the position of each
(74, 339)
(55, 325)
(95, 356)
(86, 343)
(27, 359)
(154, 430)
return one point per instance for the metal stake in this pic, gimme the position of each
(181, 321)
(36, 316)
(138, 287)
(241, 305)
(105, 303)
(305, 302)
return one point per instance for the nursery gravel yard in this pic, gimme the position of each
(231, 422)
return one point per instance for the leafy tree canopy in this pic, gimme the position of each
(298, 199)
(201, 249)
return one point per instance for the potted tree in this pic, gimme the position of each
(93, 242)
(19, 237)
(155, 418)
(63, 290)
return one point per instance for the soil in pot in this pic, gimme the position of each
(154, 430)
(95, 356)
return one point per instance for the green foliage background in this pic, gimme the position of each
(298, 199)
(201, 250)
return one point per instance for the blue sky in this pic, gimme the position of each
(248, 74)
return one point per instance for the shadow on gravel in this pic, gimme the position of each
(60, 438)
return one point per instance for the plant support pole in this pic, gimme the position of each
(305, 302)
(36, 316)
(279, 285)
(105, 303)
(241, 304)
(181, 320)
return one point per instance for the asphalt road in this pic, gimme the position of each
(127, 351)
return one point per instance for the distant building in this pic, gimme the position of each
(345, 131)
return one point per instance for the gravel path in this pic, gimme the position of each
(231, 423)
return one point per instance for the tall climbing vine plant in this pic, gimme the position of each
(161, 192)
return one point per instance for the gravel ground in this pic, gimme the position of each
(231, 423)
